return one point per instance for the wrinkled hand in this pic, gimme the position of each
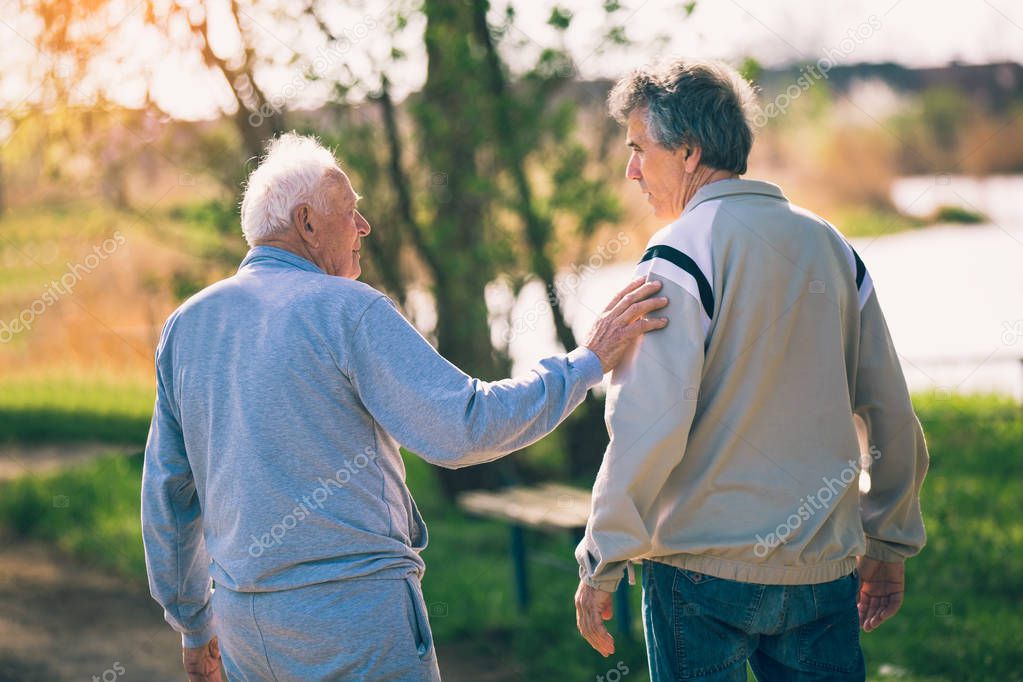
(882, 584)
(623, 321)
(202, 664)
(592, 608)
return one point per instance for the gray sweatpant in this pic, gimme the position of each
(363, 629)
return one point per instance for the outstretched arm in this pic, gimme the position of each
(454, 420)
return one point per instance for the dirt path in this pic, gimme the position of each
(60, 620)
(17, 460)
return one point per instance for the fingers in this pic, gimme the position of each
(641, 308)
(873, 613)
(202, 664)
(634, 295)
(875, 610)
(591, 627)
(589, 619)
(644, 325)
(630, 287)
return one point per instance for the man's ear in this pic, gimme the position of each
(302, 221)
(691, 158)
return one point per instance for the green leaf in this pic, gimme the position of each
(560, 18)
(617, 36)
(750, 69)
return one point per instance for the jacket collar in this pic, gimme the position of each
(730, 187)
(277, 257)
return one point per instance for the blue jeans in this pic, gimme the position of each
(699, 627)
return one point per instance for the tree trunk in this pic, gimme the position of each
(450, 115)
(586, 432)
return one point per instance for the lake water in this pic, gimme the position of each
(952, 294)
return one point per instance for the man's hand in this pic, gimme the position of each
(623, 321)
(592, 608)
(202, 663)
(882, 584)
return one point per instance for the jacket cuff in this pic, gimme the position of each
(876, 549)
(197, 638)
(604, 584)
(586, 362)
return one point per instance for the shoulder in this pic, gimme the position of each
(854, 264)
(680, 252)
(310, 295)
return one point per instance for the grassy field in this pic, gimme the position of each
(66, 407)
(960, 621)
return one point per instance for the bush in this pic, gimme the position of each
(957, 214)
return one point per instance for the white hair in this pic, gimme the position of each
(289, 174)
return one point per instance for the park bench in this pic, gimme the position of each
(548, 507)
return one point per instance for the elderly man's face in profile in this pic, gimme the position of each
(659, 171)
(341, 227)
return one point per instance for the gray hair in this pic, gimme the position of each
(289, 175)
(692, 103)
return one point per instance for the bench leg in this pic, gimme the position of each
(518, 550)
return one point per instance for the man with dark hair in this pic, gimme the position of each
(734, 463)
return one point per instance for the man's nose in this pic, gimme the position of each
(362, 224)
(632, 170)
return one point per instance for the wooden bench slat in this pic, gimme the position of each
(552, 506)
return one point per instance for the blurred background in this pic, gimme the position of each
(477, 133)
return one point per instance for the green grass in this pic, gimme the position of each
(91, 511)
(961, 618)
(863, 221)
(469, 588)
(958, 214)
(65, 407)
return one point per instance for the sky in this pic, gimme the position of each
(775, 32)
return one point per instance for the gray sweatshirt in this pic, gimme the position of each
(733, 450)
(272, 460)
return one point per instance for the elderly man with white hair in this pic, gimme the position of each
(733, 463)
(272, 465)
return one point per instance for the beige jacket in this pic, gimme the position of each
(733, 450)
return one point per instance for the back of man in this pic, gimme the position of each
(772, 435)
(734, 460)
(283, 453)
